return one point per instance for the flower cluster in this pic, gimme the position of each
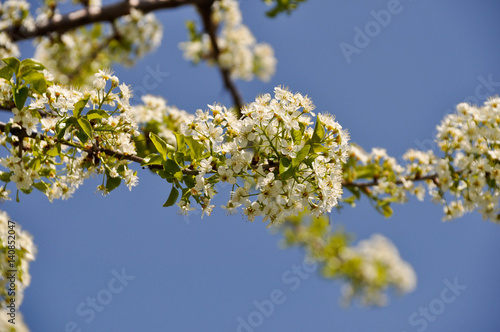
(378, 265)
(273, 149)
(74, 56)
(369, 269)
(13, 13)
(79, 137)
(470, 170)
(466, 178)
(154, 115)
(239, 51)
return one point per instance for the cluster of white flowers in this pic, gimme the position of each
(154, 112)
(380, 266)
(13, 13)
(239, 51)
(58, 164)
(470, 170)
(75, 55)
(273, 149)
(465, 179)
(15, 255)
(5, 92)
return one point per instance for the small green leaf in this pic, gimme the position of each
(365, 172)
(286, 169)
(179, 175)
(301, 155)
(36, 80)
(319, 132)
(79, 106)
(53, 152)
(20, 97)
(112, 183)
(318, 148)
(297, 136)
(284, 165)
(6, 73)
(5, 176)
(386, 210)
(152, 159)
(195, 147)
(171, 166)
(82, 136)
(86, 127)
(179, 158)
(42, 186)
(172, 198)
(160, 144)
(13, 63)
(181, 143)
(30, 64)
(97, 114)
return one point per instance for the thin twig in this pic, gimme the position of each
(205, 10)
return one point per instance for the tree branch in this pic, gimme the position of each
(373, 183)
(62, 23)
(205, 10)
(21, 133)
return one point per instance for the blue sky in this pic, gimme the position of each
(188, 274)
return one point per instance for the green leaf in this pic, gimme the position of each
(319, 132)
(20, 97)
(97, 114)
(160, 144)
(195, 148)
(179, 158)
(318, 148)
(152, 159)
(29, 64)
(82, 136)
(179, 175)
(42, 186)
(53, 152)
(301, 155)
(6, 73)
(172, 198)
(112, 183)
(13, 63)
(349, 200)
(61, 131)
(286, 169)
(86, 127)
(5, 176)
(386, 210)
(171, 166)
(365, 172)
(284, 165)
(36, 80)
(297, 136)
(79, 106)
(181, 143)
